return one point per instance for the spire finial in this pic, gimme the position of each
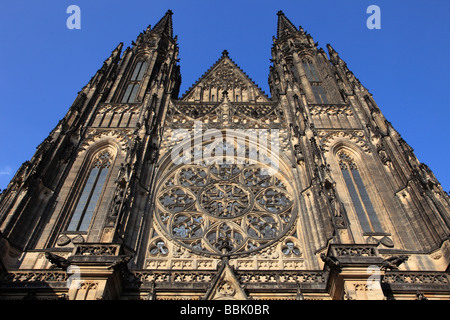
(225, 53)
(164, 26)
(284, 26)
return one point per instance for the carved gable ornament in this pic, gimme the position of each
(226, 115)
(225, 286)
(226, 77)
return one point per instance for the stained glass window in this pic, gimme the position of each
(135, 82)
(360, 199)
(88, 200)
(310, 70)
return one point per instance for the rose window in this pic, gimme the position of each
(225, 200)
(224, 209)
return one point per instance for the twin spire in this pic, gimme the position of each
(284, 26)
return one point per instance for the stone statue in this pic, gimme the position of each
(393, 262)
(57, 261)
(331, 262)
(120, 263)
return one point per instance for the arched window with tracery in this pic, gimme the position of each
(360, 199)
(92, 189)
(218, 207)
(134, 82)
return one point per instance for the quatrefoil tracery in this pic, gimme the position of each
(224, 208)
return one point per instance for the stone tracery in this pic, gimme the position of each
(222, 208)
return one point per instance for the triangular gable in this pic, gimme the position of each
(225, 76)
(225, 286)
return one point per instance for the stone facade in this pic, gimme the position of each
(224, 192)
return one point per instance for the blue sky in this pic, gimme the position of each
(405, 64)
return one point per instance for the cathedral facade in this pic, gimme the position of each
(223, 192)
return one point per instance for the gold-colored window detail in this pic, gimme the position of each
(224, 209)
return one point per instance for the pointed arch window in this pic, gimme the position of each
(135, 82)
(310, 70)
(358, 194)
(90, 195)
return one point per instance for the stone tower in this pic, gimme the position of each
(224, 192)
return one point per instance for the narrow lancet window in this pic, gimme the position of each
(310, 70)
(134, 82)
(90, 195)
(358, 194)
(313, 77)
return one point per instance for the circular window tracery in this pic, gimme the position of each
(224, 209)
(225, 200)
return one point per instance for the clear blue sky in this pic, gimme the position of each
(405, 64)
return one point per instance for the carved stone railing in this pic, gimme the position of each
(146, 278)
(194, 279)
(282, 277)
(354, 255)
(417, 277)
(97, 249)
(34, 279)
(99, 254)
(407, 282)
(354, 250)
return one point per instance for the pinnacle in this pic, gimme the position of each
(164, 26)
(331, 49)
(284, 26)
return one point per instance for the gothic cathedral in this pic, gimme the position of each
(224, 192)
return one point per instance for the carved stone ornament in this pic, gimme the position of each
(223, 209)
(123, 137)
(78, 239)
(355, 136)
(63, 240)
(225, 78)
(226, 114)
(226, 289)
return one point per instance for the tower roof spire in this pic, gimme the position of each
(164, 26)
(285, 27)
